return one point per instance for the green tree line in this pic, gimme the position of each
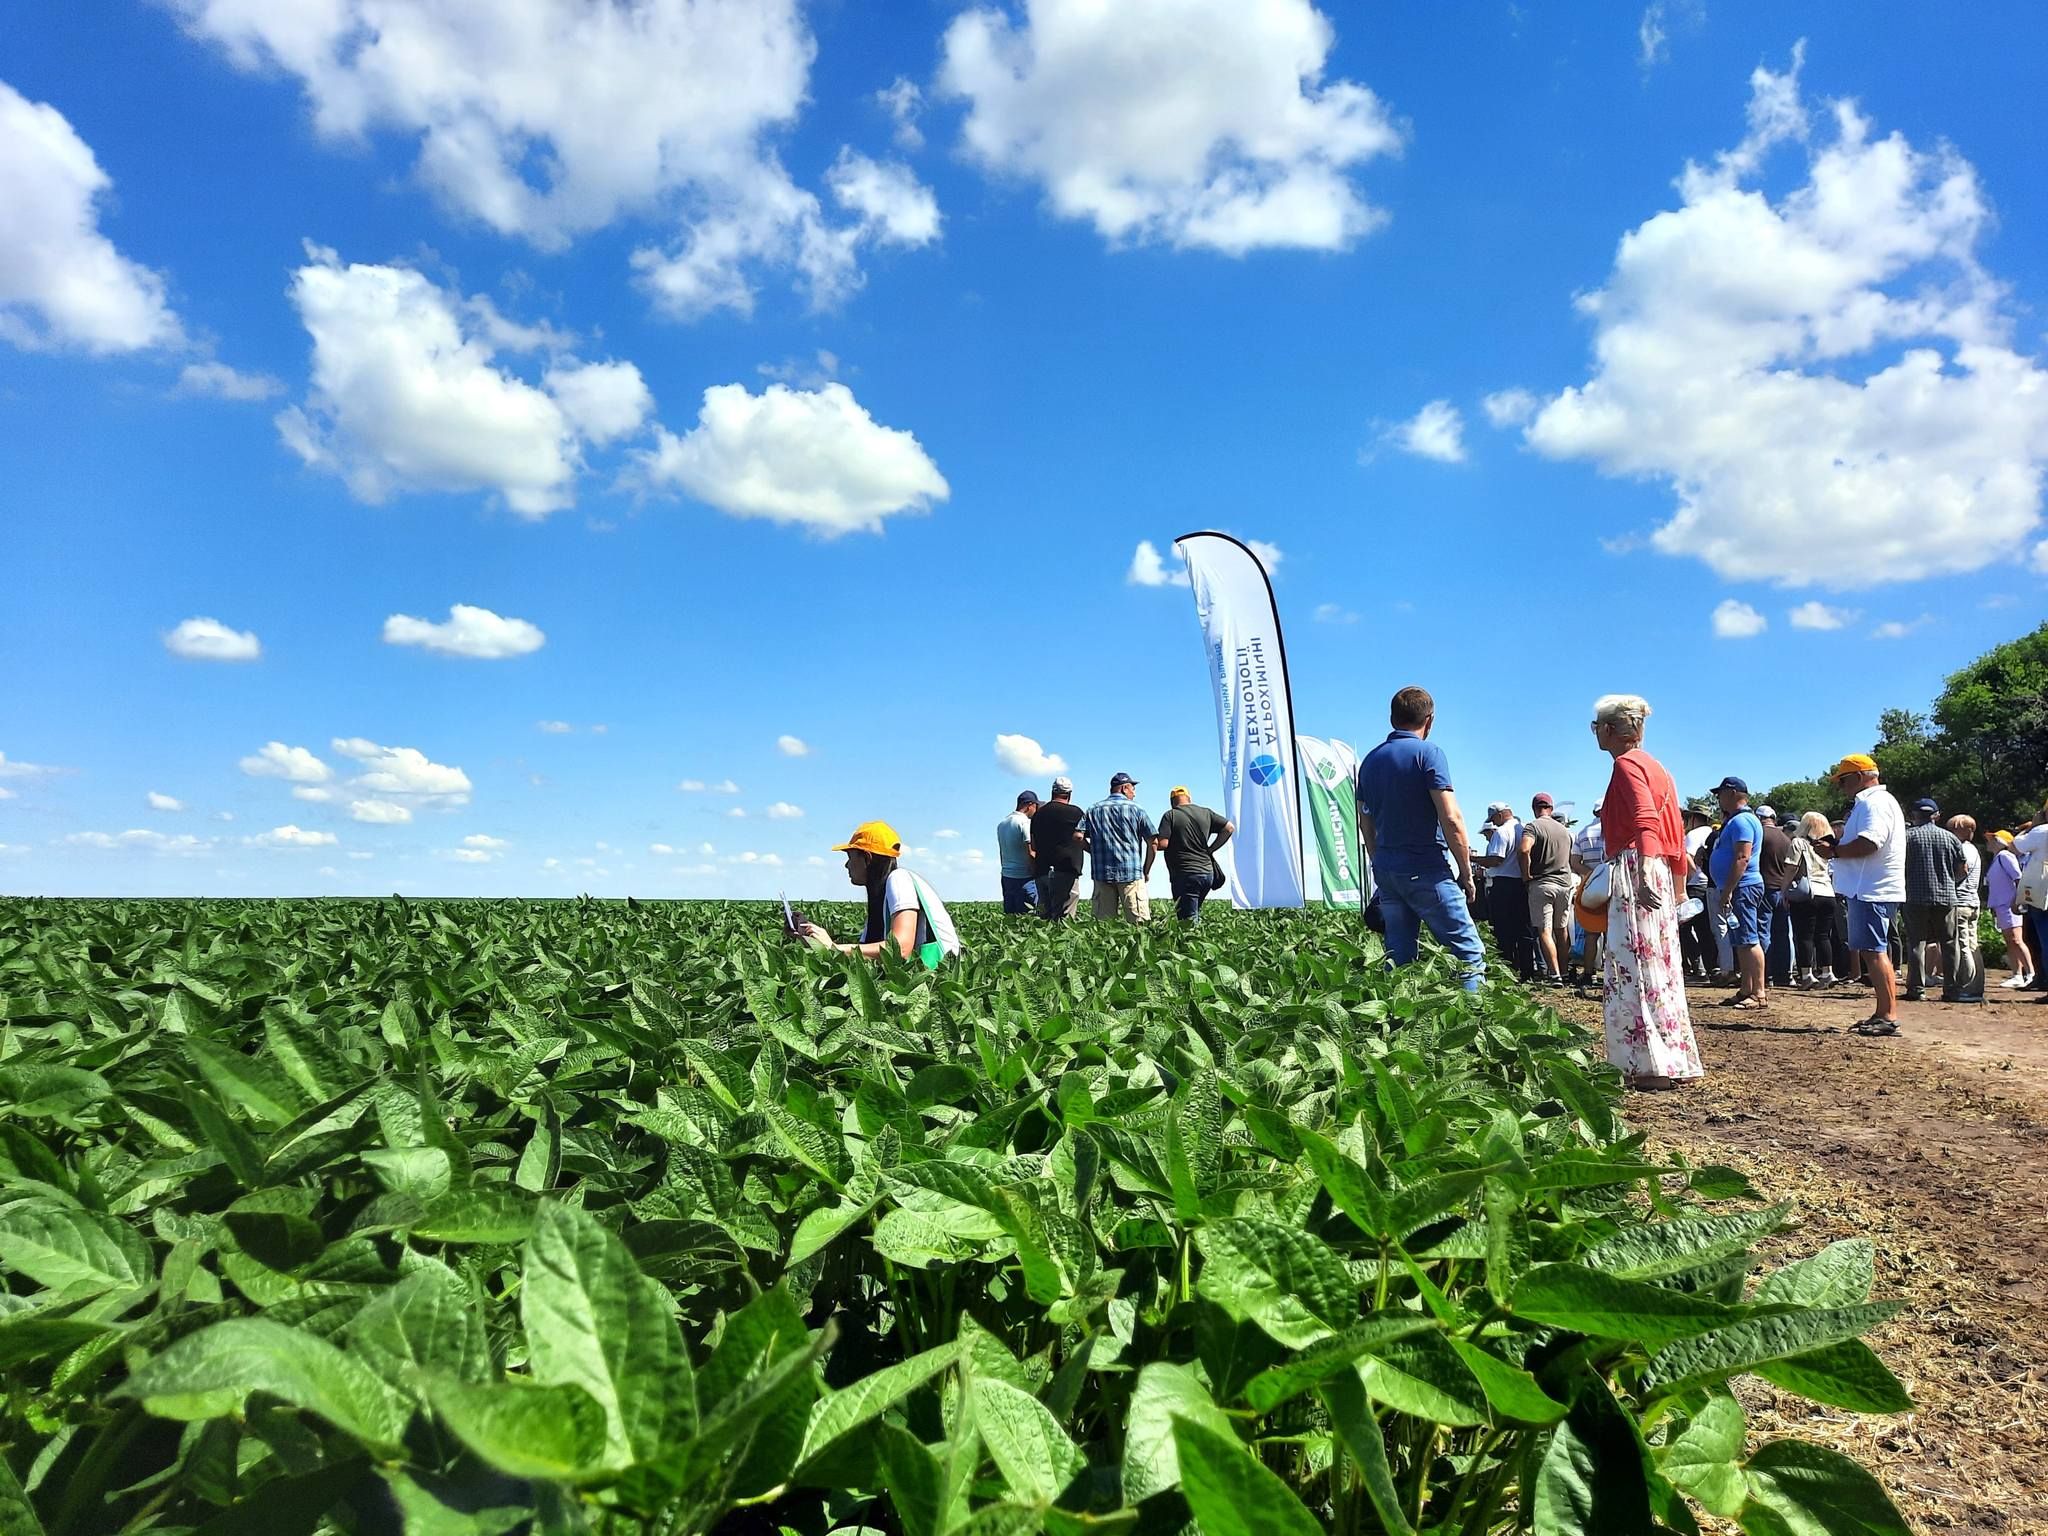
(1982, 748)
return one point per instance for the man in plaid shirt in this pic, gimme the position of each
(1119, 834)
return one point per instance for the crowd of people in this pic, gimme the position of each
(1652, 893)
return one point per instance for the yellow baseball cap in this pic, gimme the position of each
(1178, 789)
(2002, 837)
(1855, 762)
(876, 837)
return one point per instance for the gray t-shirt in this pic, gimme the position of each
(1188, 830)
(1550, 855)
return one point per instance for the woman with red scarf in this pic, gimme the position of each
(1649, 1031)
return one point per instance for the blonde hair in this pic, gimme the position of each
(1813, 824)
(1623, 713)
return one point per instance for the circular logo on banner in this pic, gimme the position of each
(1266, 769)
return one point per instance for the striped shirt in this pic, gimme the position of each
(1119, 833)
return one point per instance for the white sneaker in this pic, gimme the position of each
(2017, 981)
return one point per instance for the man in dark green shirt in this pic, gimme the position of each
(1189, 836)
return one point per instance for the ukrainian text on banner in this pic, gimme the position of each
(1254, 718)
(1328, 769)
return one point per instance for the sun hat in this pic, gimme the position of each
(876, 837)
(1855, 762)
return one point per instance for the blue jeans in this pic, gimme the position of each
(1020, 894)
(1408, 902)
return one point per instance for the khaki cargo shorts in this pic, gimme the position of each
(1127, 899)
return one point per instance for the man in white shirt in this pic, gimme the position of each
(1507, 894)
(1870, 871)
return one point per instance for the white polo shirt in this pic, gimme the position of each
(1879, 875)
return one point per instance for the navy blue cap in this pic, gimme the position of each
(1029, 797)
(1119, 780)
(1924, 803)
(1732, 782)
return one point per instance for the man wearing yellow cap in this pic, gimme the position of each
(1189, 836)
(1870, 870)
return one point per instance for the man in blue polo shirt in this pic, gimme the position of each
(1737, 870)
(1413, 830)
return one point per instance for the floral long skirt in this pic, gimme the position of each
(1649, 1031)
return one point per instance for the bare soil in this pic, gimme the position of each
(1934, 1144)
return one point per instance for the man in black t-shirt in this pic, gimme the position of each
(1056, 852)
(1189, 836)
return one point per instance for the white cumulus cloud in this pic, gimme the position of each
(318, 794)
(406, 396)
(701, 787)
(1022, 755)
(1149, 569)
(1898, 629)
(1195, 123)
(782, 810)
(1818, 615)
(554, 727)
(468, 631)
(1737, 620)
(220, 382)
(211, 640)
(278, 761)
(814, 458)
(289, 836)
(1437, 431)
(404, 772)
(379, 812)
(485, 840)
(792, 746)
(1509, 407)
(890, 202)
(62, 282)
(603, 401)
(1825, 379)
(161, 802)
(468, 855)
(17, 769)
(903, 101)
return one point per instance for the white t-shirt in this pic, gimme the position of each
(1505, 842)
(1968, 889)
(935, 922)
(2029, 845)
(1879, 875)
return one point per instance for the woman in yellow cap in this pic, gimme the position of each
(903, 910)
(2006, 914)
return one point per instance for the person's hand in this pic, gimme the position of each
(816, 937)
(1648, 899)
(1471, 889)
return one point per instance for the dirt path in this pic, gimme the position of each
(1933, 1144)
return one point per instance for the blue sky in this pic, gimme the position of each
(307, 326)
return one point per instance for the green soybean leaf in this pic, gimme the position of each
(1325, 1358)
(37, 1336)
(1354, 1191)
(1591, 1481)
(1230, 1492)
(254, 1082)
(39, 1091)
(17, 1515)
(1512, 1391)
(1351, 1415)
(482, 1213)
(854, 1405)
(818, 1228)
(274, 1225)
(1753, 1341)
(1164, 1393)
(550, 1432)
(1800, 1489)
(428, 1323)
(1033, 1453)
(1674, 1247)
(426, 1515)
(1848, 1375)
(210, 1373)
(1840, 1275)
(1587, 1301)
(593, 1320)
(1422, 1375)
(61, 1246)
(1289, 1282)
(1703, 1460)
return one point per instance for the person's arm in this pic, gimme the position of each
(1738, 864)
(1452, 820)
(902, 934)
(1487, 860)
(1367, 836)
(1528, 846)
(1229, 831)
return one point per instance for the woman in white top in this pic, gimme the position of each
(904, 912)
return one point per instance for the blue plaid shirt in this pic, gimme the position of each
(1119, 835)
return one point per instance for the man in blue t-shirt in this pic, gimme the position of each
(1736, 866)
(1413, 831)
